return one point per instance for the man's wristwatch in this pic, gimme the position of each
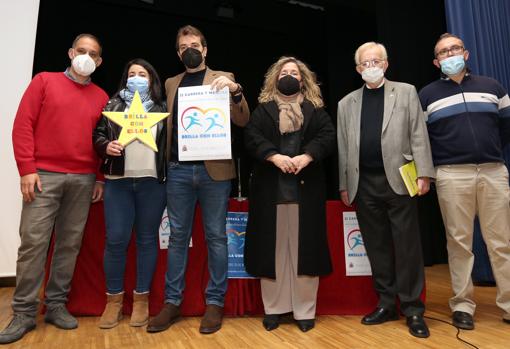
(238, 91)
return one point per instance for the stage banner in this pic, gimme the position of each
(203, 118)
(164, 232)
(236, 230)
(356, 260)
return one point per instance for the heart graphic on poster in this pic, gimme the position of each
(194, 119)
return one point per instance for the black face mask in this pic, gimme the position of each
(288, 85)
(192, 58)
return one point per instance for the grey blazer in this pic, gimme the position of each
(404, 136)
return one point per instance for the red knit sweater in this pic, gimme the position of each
(54, 123)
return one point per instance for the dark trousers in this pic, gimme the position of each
(389, 226)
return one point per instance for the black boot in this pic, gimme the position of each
(271, 321)
(305, 325)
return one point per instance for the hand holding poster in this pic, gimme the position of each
(203, 118)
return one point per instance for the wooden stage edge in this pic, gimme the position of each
(247, 332)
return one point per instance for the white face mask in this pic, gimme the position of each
(83, 65)
(372, 74)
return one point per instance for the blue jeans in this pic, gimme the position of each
(129, 202)
(185, 184)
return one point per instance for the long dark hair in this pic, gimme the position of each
(154, 86)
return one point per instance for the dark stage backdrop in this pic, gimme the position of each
(246, 37)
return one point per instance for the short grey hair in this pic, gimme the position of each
(446, 36)
(368, 45)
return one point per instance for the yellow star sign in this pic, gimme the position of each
(136, 123)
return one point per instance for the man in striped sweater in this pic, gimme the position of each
(468, 120)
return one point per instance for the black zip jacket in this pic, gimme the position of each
(107, 131)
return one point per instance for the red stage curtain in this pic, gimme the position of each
(338, 294)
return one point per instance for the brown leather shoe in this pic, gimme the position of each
(211, 322)
(166, 317)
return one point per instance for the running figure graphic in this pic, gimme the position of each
(213, 122)
(193, 120)
(357, 241)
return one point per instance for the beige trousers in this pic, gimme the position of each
(463, 192)
(289, 292)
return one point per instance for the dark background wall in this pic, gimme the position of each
(246, 37)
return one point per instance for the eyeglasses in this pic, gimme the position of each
(372, 63)
(455, 50)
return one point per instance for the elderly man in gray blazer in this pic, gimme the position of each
(381, 127)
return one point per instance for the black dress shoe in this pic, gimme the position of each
(305, 325)
(271, 321)
(379, 316)
(417, 326)
(463, 320)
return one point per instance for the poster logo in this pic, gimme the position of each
(194, 119)
(354, 239)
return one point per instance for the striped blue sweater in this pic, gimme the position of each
(468, 123)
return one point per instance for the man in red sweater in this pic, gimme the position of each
(52, 140)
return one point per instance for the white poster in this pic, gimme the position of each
(164, 232)
(203, 118)
(356, 260)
